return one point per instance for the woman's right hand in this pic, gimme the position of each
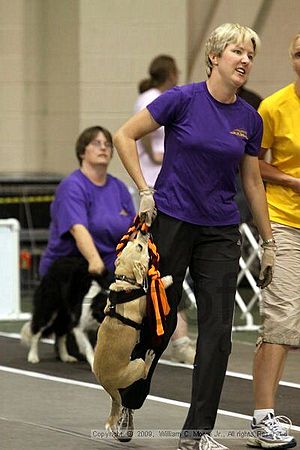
(87, 248)
(147, 209)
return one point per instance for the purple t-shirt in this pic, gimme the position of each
(106, 211)
(204, 143)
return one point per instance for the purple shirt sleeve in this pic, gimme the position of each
(254, 142)
(169, 106)
(70, 207)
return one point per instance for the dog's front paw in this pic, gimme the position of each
(167, 281)
(68, 359)
(33, 358)
(149, 357)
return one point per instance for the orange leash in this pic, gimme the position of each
(156, 292)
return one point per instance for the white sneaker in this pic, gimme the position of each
(206, 442)
(125, 425)
(271, 432)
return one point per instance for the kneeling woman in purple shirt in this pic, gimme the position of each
(210, 134)
(91, 210)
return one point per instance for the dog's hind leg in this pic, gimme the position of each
(33, 355)
(111, 423)
(84, 345)
(34, 337)
(62, 350)
(26, 334)
(136, 369)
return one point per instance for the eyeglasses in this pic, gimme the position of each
(100, 144)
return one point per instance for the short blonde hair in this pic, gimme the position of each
(228, 33)
(293, 42)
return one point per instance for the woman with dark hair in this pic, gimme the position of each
(163, 76)
(89, 215)
(91, 210)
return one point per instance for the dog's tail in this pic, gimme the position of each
(111, 423)
(26, 334)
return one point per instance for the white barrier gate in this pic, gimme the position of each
(10, 305)
(245, 265)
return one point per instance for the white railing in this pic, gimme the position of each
(246, 262)
(10, 304)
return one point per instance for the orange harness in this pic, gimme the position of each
(156, 291)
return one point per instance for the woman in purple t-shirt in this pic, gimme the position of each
(210, 134)
(91, 210)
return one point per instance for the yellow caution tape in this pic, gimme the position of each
(29, 199)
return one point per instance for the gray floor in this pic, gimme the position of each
(54, 405)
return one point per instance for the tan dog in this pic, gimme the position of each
(116, 340)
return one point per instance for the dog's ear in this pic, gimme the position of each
(138, 272)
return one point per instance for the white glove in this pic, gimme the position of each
(267, 265)
(147, 210)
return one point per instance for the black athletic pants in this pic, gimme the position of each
(212, 255)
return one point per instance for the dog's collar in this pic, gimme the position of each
(133, 281)
(129, 280)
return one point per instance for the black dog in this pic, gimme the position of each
(57, 308)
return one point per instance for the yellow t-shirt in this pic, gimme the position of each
(281, 117)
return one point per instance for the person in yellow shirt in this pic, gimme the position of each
(281, 299)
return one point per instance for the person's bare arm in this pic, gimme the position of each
(125, 139)
(256, 197)
(273, 175)
(255, 194)
(87, 248)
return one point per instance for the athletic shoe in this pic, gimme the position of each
(183, 352)
(271, 432)
(206, 442)
(125, 425)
